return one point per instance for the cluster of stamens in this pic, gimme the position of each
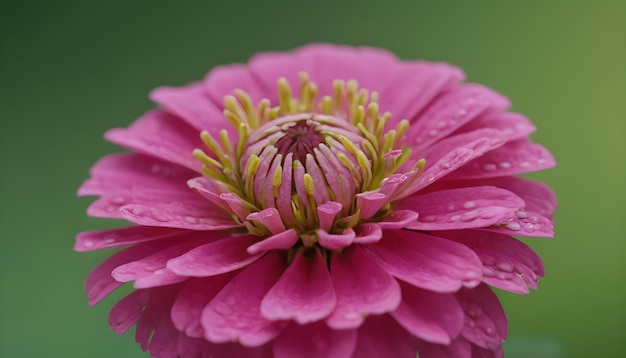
(305, 158)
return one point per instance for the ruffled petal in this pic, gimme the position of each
(451, 110)
(215, 258)
(516, 157)
(462, 208)
(508, 263)
(427, 80)
(102, 239)
(191, 104)
(485, 321)
(459, 348)
(192, 299)
(382, 337)
(432, 317)
(426, 261)
(360, 293)
(160, 135)
(100, 282)
(151, 270)
(314, 340)
(235, 313)
(304, 293)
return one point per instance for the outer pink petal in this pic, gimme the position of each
(128, 310)
(512, 125)
(314, 340)
(426, 261)
(462, 208)
(191, 104)
(325, 63)
(382, 337)
(303, 293)
(451, 110)
(183, 215)
(123, 171)
(218, 257)
(516, 157)
(447, 156)
(427, 81)
(160, 135)
(459, 348)
(192, 299)
(478, 352)
(433, 317)
(508, 263)
(538, 196)
(100, 283)
(151, 271)
(360, 292)
(102, 239)
(224, 80)
(235, 313)
(485, 321)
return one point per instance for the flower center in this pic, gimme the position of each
(304, 161)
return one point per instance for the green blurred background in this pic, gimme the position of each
(72, 69)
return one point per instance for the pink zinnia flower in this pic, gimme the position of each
(328, 202)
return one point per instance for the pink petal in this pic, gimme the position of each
(160, 135)
(270, 218)
(447, 156)
(451, 110)
(324, 63)
(525, 223)
(191, 104)
(367, 233)
(224, 80)
(303, 293)
(485, 322)
(151, 270)
(512, 125)
(235, 313)
(192, 299)
(101, 239)
(218, 257)
(516, 157)
(459, 348)
(462, 208)
(314, 340)
(282, 241)
(360, 292)
(427, 81)
(398, 219)
(432, 317)
(478, 352)
(210, 190)
(335, 241)
(426, 261)
(381, 336)
(123, 171)
(100, 283)
(128, 311)
(508, 263)
(177, 215)
(326, 214)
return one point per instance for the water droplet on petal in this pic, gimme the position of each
(513, 226)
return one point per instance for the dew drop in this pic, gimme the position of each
(118, 200)
(490, 331)
(524, 164)
(428, 219)
(488, 272)
(513, 226)
(433, 132)
(506, 267)
(450, 207)
(469, 204)
(489, 167)
(109, 241)
(88, 243)
(462, 112)
(191, 220)
(455, 218)
(505, 165)
(470, 216)
(522, 214)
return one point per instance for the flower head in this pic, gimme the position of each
(328, 202)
